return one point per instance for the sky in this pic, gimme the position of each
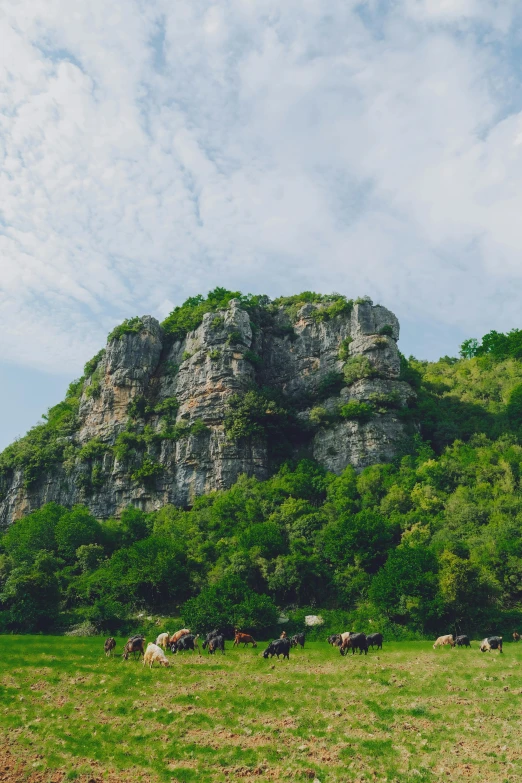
(152, 150)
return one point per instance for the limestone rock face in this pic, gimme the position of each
(155, 408)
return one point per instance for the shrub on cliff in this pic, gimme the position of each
(188, 316)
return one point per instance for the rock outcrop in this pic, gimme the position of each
(150, 426)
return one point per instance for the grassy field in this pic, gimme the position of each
(405, 713)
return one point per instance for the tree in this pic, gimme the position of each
(406, 587)
(229, 604)
(32, 595)
(357, 539)
(74, 529)
(469, 348)
(26, 537)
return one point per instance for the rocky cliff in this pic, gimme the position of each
(162, 418)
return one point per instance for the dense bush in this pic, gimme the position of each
(359, 411)
(189, 315)
(129, 326)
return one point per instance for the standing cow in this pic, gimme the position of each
(374, 640)
(109, 646)
(244, 639)
(298, 639)
(462, 641)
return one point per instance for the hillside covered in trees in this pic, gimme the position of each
(429, 541)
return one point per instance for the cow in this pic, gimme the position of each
(299, 638)
(216, 643)
(283, 635)
(186, 642)
(154, 654)
(210, 635)
(444, 640)
(244, 639)
(177, 636)
(134, 645)
(109, 646)
(516, 636)
(374, 640)
(354, 641)
(278, 647)
(462, 641)
(163, 640)
(334, 639)
(491, 643)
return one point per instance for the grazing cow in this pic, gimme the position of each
(354, 641)
(163, 640)
(134, 645)
(210, 636)
(341, 638)
(444, 640)
(334, 639)
(109, 646)
(299, 638)
(374, 640)
(462, 641)
(278, 647)
(154, 654)
(516, 636)
(244, 639)
(187, 642)
(177, 636)
(216, 643)
(491, 643)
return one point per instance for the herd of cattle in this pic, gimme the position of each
(184, 640)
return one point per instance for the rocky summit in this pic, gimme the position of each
(162, 417)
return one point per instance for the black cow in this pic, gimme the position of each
(211, 635)
(299, 638)
(216, 643)
(374, 640)
(462, 641)
(356, 641)
(491, 643)
(187, 642)
(278, 647)
(334, 639)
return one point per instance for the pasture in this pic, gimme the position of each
(405, 713)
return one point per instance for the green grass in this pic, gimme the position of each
(405, 713)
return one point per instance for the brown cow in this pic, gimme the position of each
(244, 639)
(134, 645)
(177, 636)
(283, 635)
(109, 646)
(516, 636)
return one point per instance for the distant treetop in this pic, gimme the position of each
(495, 344)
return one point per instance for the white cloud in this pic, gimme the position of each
(155, 150)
